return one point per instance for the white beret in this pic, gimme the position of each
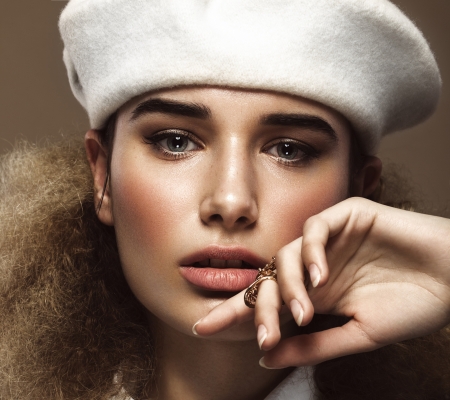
(363, 58)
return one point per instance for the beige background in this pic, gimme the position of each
(36, 102)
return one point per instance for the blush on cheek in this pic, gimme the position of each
(148, 211)
(291, 207)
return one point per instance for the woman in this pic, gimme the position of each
(211, 153)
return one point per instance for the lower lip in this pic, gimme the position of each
(226, 280)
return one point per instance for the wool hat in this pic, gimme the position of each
(363, 58)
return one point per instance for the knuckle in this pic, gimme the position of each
(308, 245)
(310, 222)
(308, 252)
(313, 221)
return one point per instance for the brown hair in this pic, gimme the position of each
(70, 328)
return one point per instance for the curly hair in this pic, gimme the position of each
(70, 327)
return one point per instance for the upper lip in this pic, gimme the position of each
(224, 253)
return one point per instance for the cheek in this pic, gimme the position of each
(291, 204)
(148, 206)
(152, 211)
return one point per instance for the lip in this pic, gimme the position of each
(224, 253)
(221, 279)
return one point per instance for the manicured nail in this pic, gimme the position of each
(314, 274)
(194, 330)
(263, 364)
(297, 311)
(261, 335)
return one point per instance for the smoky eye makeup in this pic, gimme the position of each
(173, 143)
(291, 152)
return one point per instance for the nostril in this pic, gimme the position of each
(242, 220)
(219, 211)
(216, 218)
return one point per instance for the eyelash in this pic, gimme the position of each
(155, 139)
(308, 153)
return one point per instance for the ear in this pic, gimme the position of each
(367, 179)
(97, 156)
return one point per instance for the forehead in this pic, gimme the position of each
(239, 104)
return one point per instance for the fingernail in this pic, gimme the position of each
(261, 335)
(194, 330)
(297, 311)
(263, 364)
(314, 274)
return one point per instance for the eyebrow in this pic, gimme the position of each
(171, 107)
(305, 121)
(194, 110)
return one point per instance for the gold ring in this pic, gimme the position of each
(269, 272)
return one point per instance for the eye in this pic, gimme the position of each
(173, 143)
(287, 150)
(177, 143)
(291, 152)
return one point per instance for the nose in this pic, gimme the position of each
(230, 199)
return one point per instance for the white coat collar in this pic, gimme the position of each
(296, 386)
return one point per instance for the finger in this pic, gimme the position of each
(349, 211)
(267, 308)
(352, 218)
(290, 276)
(321, 346)
(227, 314)
(316, 232)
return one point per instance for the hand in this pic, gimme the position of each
(388, 270)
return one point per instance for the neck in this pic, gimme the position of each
(193, 368)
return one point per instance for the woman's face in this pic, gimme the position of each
(207, 184)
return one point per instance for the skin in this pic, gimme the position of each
(387, 270)
(229, 187)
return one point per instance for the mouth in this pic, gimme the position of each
(221, 263)
(224, 269)
(215, 256)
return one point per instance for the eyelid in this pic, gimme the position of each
(308, 152)
(166, 133)
(155, 139)
(298, 143)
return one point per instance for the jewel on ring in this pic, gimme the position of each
(269, 272)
